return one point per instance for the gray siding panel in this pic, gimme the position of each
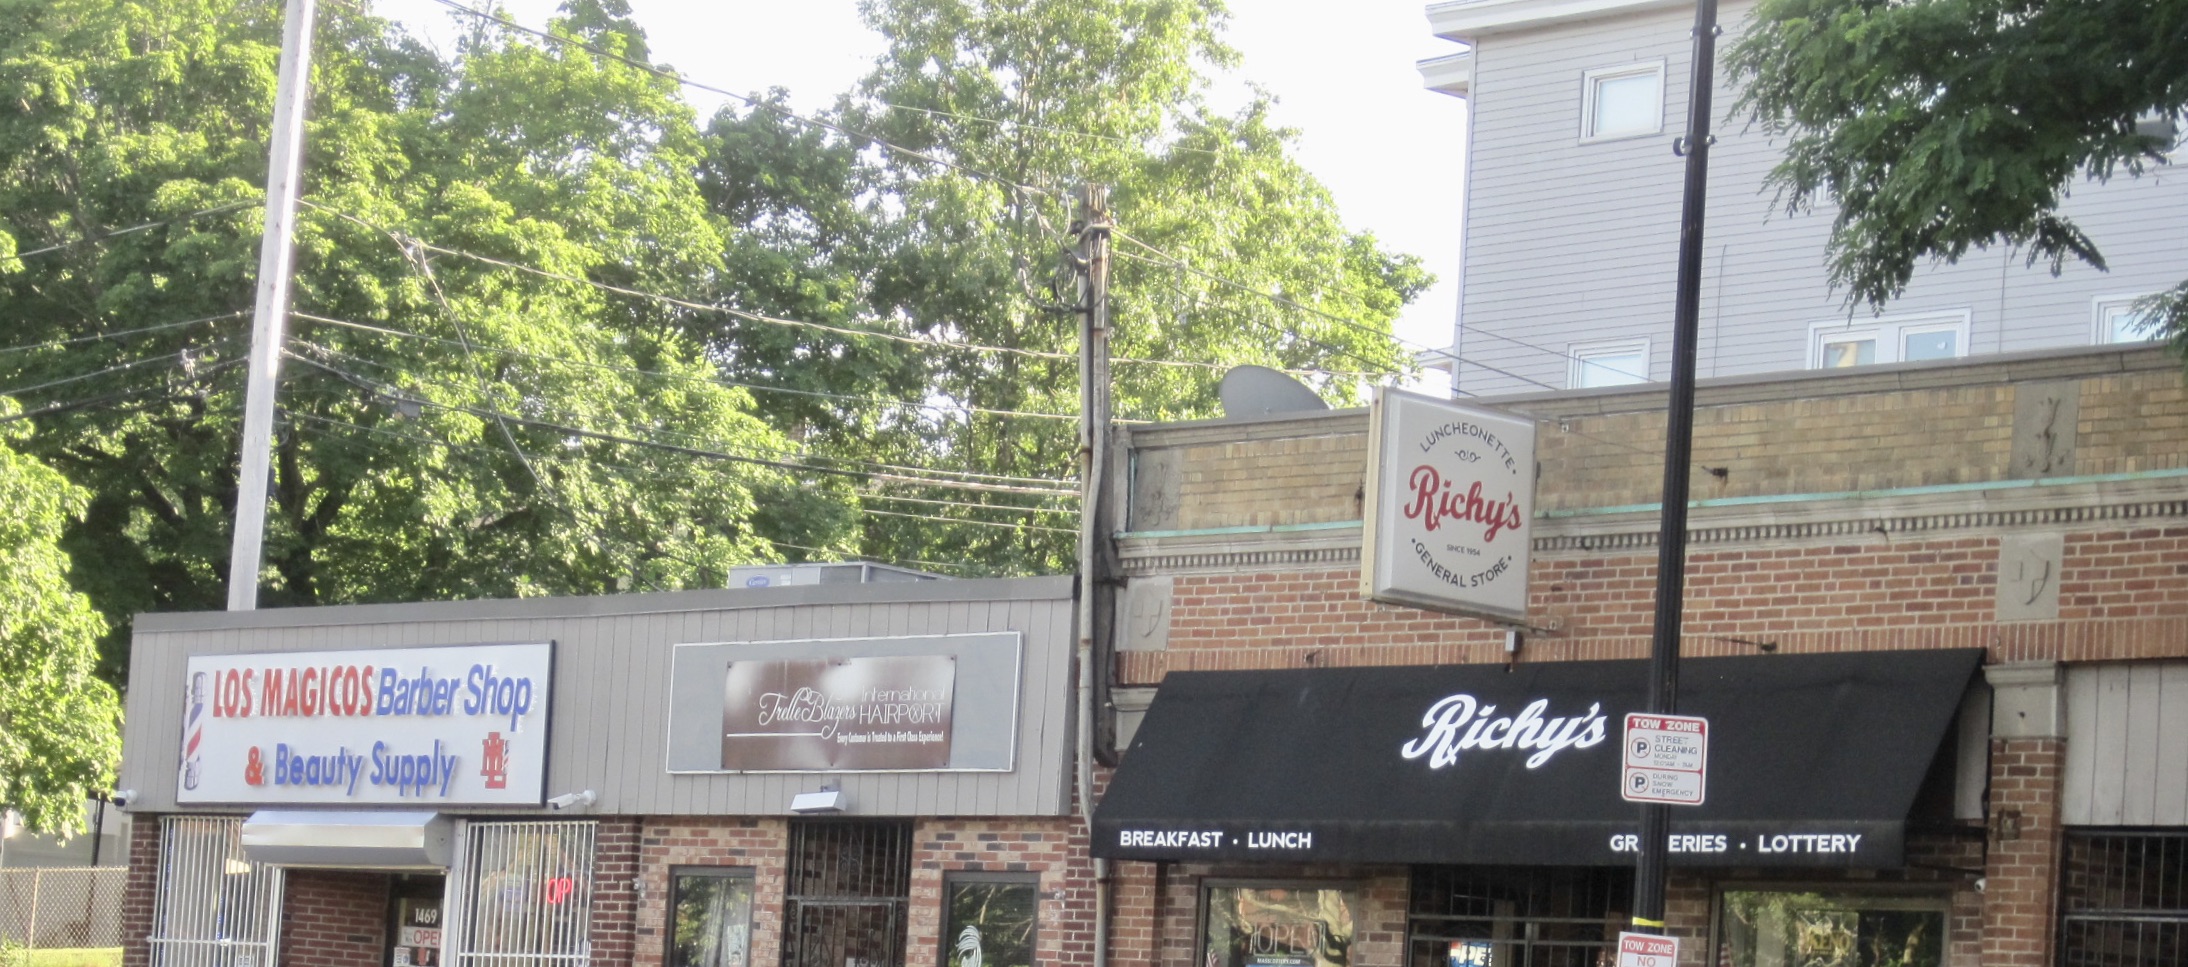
(1570, 242)
(2127, 744)
(609, 729)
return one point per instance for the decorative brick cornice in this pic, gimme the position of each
(1826, 519)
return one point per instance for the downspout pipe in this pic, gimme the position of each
(1093, 455)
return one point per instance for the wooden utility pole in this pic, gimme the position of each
(270, 316)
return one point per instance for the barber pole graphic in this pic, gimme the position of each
(193, 732)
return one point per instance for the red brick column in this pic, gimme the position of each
(333, 919)
(2021, 872)
(1052, 849)
(761, 844)
(141, 893)
(615, 895)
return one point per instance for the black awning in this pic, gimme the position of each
(1814, 760)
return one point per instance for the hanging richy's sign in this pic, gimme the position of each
(877, 712)
(461, 725)
(1450, 503)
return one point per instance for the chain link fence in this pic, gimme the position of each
(61, 907)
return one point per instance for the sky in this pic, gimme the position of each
(1390, 151)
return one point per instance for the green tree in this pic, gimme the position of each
(60, 725)
(1938, 126)
(942, 212)
(476, 439)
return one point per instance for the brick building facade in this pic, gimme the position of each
(2034, 510)
(2032, 507)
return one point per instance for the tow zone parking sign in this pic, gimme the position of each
(1647, 950)
(1666, 759)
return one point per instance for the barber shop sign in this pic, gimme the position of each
(1450, 507)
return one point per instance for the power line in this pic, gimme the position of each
(1012, 508)
(97, 336)
(589, 461)
(117, 396)
(1173, 261)
(960, 520)
(633, 370)
(587, 433)
(147, 226)
(132, 364)
(803, 324)
(903, 468)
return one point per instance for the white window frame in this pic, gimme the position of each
(1890, 333)
(2100, 325)
(1588, 82)
(1579, 355)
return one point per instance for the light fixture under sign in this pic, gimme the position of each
(828, 800)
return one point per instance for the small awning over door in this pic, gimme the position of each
(354, 839)
(1814, 760)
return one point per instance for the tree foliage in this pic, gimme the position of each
(940, 207)
(60, 725)
(476, 445)
(1938, 126)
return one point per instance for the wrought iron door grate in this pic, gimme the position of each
(849, 883)
(2123, 898)
(1516, 917)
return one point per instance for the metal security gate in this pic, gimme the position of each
(214, 907)
(2123, 898)
(521, 895)
(1485, 916)
(849, 883)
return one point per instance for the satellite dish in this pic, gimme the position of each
(1261, 391)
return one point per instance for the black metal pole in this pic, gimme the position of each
(98, 824)
(1671, 542)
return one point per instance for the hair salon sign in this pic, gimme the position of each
(1450, 505)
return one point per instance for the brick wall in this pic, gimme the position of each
(758, 844)
(615, 894)
(1786, 435)
(1054, 850)
(334, 919)
(2022, 872)
(139, 896)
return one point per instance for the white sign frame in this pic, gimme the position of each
(457, 725)
(1449, 512)
(1647, 950)
(1666, 759)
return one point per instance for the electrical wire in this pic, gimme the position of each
(147, 226)
(98, 336)
(118, 396)
(1011, 508)
(132, 364)
(290, 415)
(962, 474)
(960, 520)
(578, 431)
(635, 371)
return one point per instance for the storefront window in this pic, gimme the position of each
(989, 920)
(1279, 926)
(710, 916)
(1783, 928)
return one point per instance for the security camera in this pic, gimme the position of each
(122, 798)
(573, 800)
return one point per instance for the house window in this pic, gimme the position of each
(989, 919)
(1837, 345)
(1760, 928)
(1622, 102)
(1609, 364)
(1278, 925)
(2117, 321)
(710, 916)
